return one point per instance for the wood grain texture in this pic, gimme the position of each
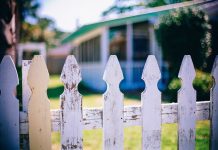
(93, 117)
(9, 105)
(151, 106)
(214, 108)
(39, 106)
(71, 106)
(113, 106)
(114, 117)
(186, 106)
(26, 91)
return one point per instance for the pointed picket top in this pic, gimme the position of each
(9, 78)
(215, 70)
(113, 106)
(187, 70)
(9, 105)
(38, 79)
(187, 100)
(39, 105)
(151, 106)
(113, 73)
(71, 106)
(151, 72)
(71, 75)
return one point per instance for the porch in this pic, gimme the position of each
(130, 42)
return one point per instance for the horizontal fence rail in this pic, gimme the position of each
(36, 121)
(93, 118)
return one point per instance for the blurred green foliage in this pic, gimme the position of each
(202, 84)
(44, 31)
(19, 86)
(33, 28)
(156, 3)
(184, 31)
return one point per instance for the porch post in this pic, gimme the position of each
(104, 45)
(129, 47)
(153, 45)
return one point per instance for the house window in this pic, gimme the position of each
(28, 55)
(89, 51)
(118, 42)
(140, 41)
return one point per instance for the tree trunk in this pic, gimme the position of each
(7, 29)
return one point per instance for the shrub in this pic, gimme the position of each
(202, 84)
(184, 31)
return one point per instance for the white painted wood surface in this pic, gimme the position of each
(186, 106)
(113, 106)
(26, 91)
(214, 108)
(151, 106)
(9, 105)
(71, 107)
(93, 117)
(131, 115)
(39, 106)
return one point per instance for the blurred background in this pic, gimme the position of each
(131, 29)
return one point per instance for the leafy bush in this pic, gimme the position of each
(202, 84)
(184, 31)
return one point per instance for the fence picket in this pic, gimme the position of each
(214, 108)
(151, 106)
(69, 119)
(71, 106)
(26, 93)
(39, 106)
(186, 106)
(113, 106)
(9, 105)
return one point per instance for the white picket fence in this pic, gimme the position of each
(71, 119)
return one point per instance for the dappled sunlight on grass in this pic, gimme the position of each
(92, 139)
(202, 135)
(54, 81)
(55, 138)
(132, 138)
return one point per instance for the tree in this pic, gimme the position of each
(12, 14)
(182, 32)
(44, 31)
(122, 6)
(7, 30)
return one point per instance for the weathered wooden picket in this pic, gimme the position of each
(71, 119)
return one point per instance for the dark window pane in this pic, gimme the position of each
(140, 41)
(89, 51)
(118, 42)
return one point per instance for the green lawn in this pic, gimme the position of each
(92, 139)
